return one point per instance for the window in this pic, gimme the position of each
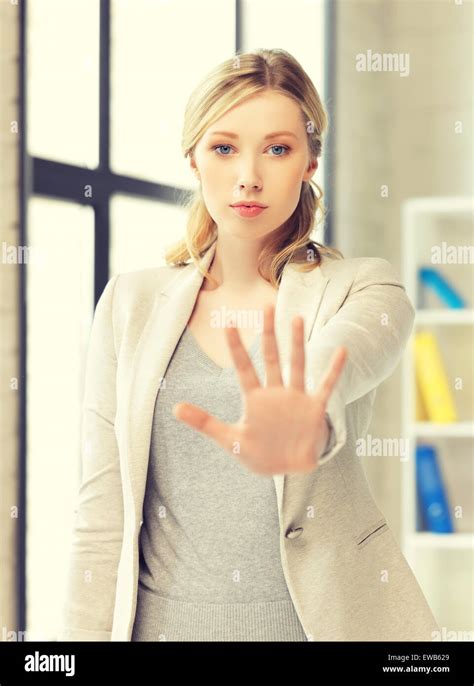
(104, 87)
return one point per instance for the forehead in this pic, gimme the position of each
(260, 115)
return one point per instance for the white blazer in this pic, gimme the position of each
(345, 572)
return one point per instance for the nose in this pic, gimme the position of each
(242, 185)
(248, 179)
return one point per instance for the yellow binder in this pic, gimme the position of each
(421, 413)
(431, 377)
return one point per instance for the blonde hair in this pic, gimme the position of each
(225, 86)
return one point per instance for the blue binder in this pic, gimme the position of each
(445, 291)
(433, 501)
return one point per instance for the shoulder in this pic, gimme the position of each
(364, 287)
(143, 285)
(135, 292)
(360, 271)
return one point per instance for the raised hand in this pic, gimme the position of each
(282, 429)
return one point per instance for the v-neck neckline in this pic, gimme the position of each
(209, 363)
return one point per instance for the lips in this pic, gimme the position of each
(249, 204)
(252, 211)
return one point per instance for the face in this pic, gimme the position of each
(249, 165)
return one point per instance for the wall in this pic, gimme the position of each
(399, 131)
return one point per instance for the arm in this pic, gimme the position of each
(374, 324)
(98, 526)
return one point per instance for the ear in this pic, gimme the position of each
(311, 170)
(193, 166)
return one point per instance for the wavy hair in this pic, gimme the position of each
(227, 85)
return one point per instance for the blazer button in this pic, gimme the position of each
(294, 533)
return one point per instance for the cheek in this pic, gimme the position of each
(287, 186)
(213, 173)
(288, 175)
(206, 164)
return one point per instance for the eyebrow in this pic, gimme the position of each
(229, 134)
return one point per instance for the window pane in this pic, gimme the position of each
(60, 303)
(141, 230)
(160, 50)
(63, 80)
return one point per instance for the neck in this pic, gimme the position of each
(234, 265)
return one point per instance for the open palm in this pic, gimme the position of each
(282, 428)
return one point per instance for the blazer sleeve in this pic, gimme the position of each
(374, 324)
(87, 612)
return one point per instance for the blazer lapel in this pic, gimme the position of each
(298, 294)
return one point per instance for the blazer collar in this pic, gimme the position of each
(299, 293)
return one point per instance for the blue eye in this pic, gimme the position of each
(221, 146)
(285, 148)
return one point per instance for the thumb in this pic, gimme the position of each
(222, 433)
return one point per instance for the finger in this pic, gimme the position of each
(297, 355)
(336, 365)
(248, 378)
(270, 349)
(222, 433)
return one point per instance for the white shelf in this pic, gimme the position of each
(439, 205)
(427, 221)
(453, 430)
(429, 539)
(444, 316)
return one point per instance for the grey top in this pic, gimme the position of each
(210, 566)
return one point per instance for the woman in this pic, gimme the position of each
(220, 500)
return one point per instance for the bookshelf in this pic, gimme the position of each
(442, 562)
